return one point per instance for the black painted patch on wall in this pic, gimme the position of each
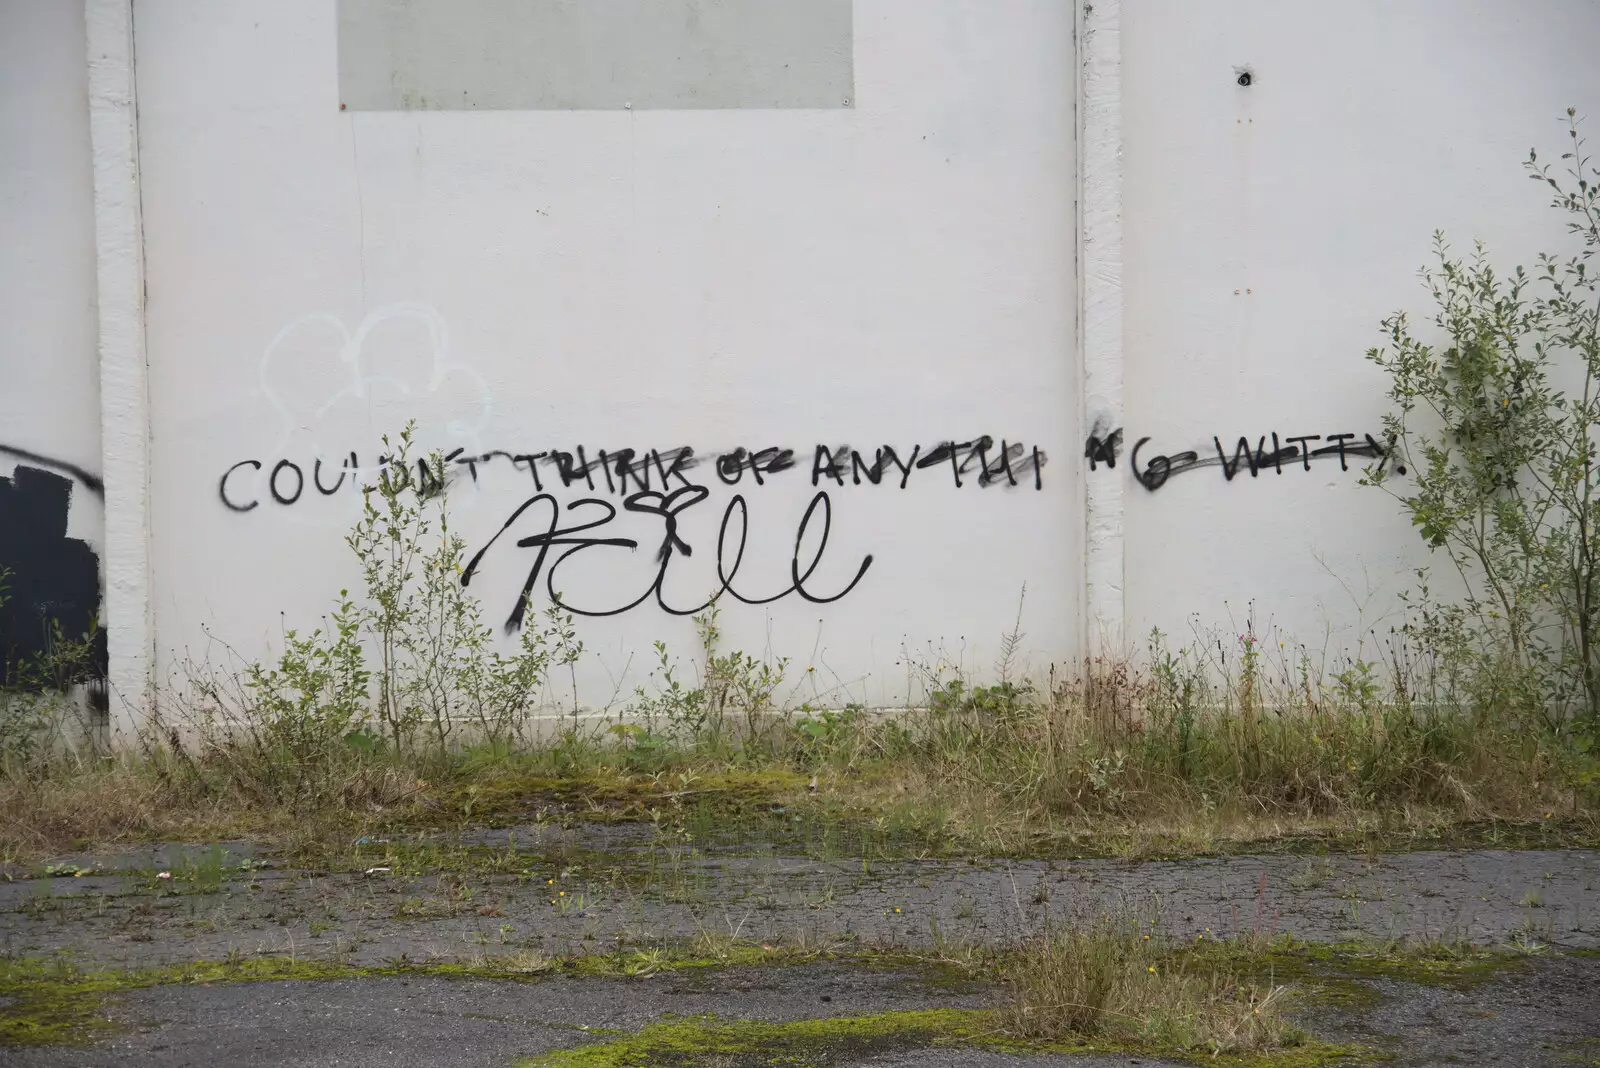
(52, 578)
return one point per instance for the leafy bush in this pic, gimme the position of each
(825, 734)
(408, 670)
(436, 664)
(1497, 427)
(310, 706)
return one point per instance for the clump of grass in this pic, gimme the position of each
(523, 962)
(1114, 978)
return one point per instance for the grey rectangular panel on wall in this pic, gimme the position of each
(456, 55)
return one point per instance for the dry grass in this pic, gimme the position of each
(1198, 754)
(1186, 758)
(1113, 977)
(527, 962)
(130, 799)
(94, 805)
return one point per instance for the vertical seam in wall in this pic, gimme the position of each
(124, 402)
(1100, 313)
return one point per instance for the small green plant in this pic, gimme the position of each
(310, 708)
(678, 708)
(731, 706)
(205, 873)
(1314, 875)
(1177, 693)
(825, 733)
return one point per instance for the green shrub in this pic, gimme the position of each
(1497, 427)
(406, 672)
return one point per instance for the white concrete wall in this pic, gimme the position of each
(49, 400)
(49, 394)
(1268, 230)
(895, 272)
(896, 269)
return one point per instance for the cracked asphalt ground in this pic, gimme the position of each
(1547, 1012)
(533, 889)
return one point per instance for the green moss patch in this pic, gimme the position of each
(1455, 965)
(709, 1039)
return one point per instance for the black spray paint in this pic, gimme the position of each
(97, 487)
(1101, 447)
(1284, 453)
(655, 482)
(579, 538)
(624, 472)
(52, 580)
(1258, 457)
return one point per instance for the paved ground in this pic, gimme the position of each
(426, 1022)
(494, 900)
(501, 892)
(1545, 1014)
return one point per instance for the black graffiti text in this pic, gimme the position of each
(579, 528)
(624, 472)
(980, 459)
(1255, 458)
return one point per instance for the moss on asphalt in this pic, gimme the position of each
(55, 1002)
(845, 1039)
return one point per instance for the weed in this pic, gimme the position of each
(393, 677)
(203, 874)
(522, 962)
(1315, 874)
(1112, 977)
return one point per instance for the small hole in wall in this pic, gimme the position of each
(1243, 76)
